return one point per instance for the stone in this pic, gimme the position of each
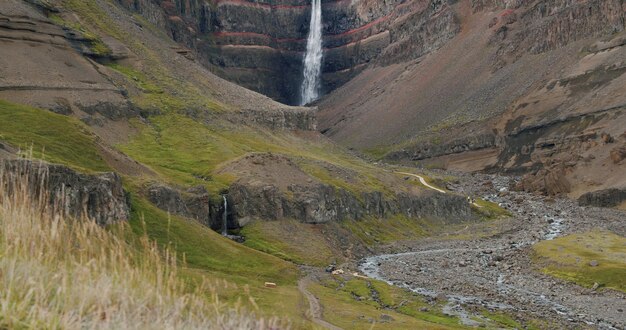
(270, 285)
(618, 154)
(594, 263)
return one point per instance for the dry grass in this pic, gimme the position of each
(57, 272)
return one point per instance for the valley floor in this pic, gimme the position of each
(520, 265)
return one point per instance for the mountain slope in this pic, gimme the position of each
(515, 90)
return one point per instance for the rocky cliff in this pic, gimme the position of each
(323, 203)
(99, 197)
(260, 45)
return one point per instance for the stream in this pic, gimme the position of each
(496, 272)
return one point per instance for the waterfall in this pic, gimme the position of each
(313, 57)
(225, 217)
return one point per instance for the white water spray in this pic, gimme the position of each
(225, 217)
(313, 57)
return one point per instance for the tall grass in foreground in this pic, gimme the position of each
(59, 272)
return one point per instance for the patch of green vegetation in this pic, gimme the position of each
(183, 150)
(361, 303)
(570, 258)
(153, 96)
(436, 140)
(290, 240)
(374, 231)
(378, 152)
(504, 320)
(142, 81)
(54, 138)
(489, 210)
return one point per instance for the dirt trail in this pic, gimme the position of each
(423, 181)
(315, 308)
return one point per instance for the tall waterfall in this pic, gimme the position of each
(225, 217)
(313, 57)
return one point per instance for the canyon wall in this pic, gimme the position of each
(260, 45)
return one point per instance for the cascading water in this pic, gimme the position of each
(225, 217)
(313, 57)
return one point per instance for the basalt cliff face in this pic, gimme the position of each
(260, 45)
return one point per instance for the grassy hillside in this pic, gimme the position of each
(52, 137)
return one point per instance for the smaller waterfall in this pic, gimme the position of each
(225, 217)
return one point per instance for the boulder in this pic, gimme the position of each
(603, 198)
(548, 181)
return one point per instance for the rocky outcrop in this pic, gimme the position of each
(549, 181)
(538, 27)
(322, 203)
(603, 198)
(193, 203)
(429, 150)
(295, 118)
(99, 197)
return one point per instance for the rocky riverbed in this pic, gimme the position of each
(495, 270)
